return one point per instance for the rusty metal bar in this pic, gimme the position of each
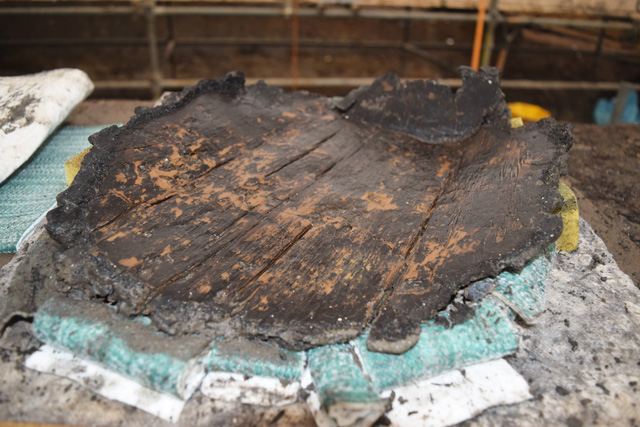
(563, 85)
(477, 38)
(295, 45)
(69, 10)
(489, 35)
(569, 22)
(233, 42)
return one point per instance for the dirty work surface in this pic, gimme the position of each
(604, 170)
(267, 214)
(580, 360)
(581, 357)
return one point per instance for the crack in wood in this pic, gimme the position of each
(423, 226)
(303, 154)
(279, 255)
(162, 286)
(159, 289)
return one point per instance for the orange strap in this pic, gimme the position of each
(477, 41)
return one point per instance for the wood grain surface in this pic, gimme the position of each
(251, 211)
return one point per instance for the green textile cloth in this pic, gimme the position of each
(488, 335)
(33, 188)
(344, 390)
(96, 332)
(337, 377)
(254, 358)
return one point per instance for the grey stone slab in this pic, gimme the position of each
(582, 357)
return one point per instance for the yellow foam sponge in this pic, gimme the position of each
(568, 240)
(528, 112)
(72, 166)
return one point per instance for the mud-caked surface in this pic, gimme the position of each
(581, 357)
(254, 212)
(604, 168)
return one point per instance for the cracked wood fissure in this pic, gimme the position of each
(282, 217)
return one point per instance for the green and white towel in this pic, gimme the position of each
(32, 189)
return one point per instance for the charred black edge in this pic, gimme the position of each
(465, 72)
(216, 323)
(496, 113)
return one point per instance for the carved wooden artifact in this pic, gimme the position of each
(250, 211)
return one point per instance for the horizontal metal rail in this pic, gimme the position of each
(328, 12)
(202, 41)
(116, 41)
(352, 82)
